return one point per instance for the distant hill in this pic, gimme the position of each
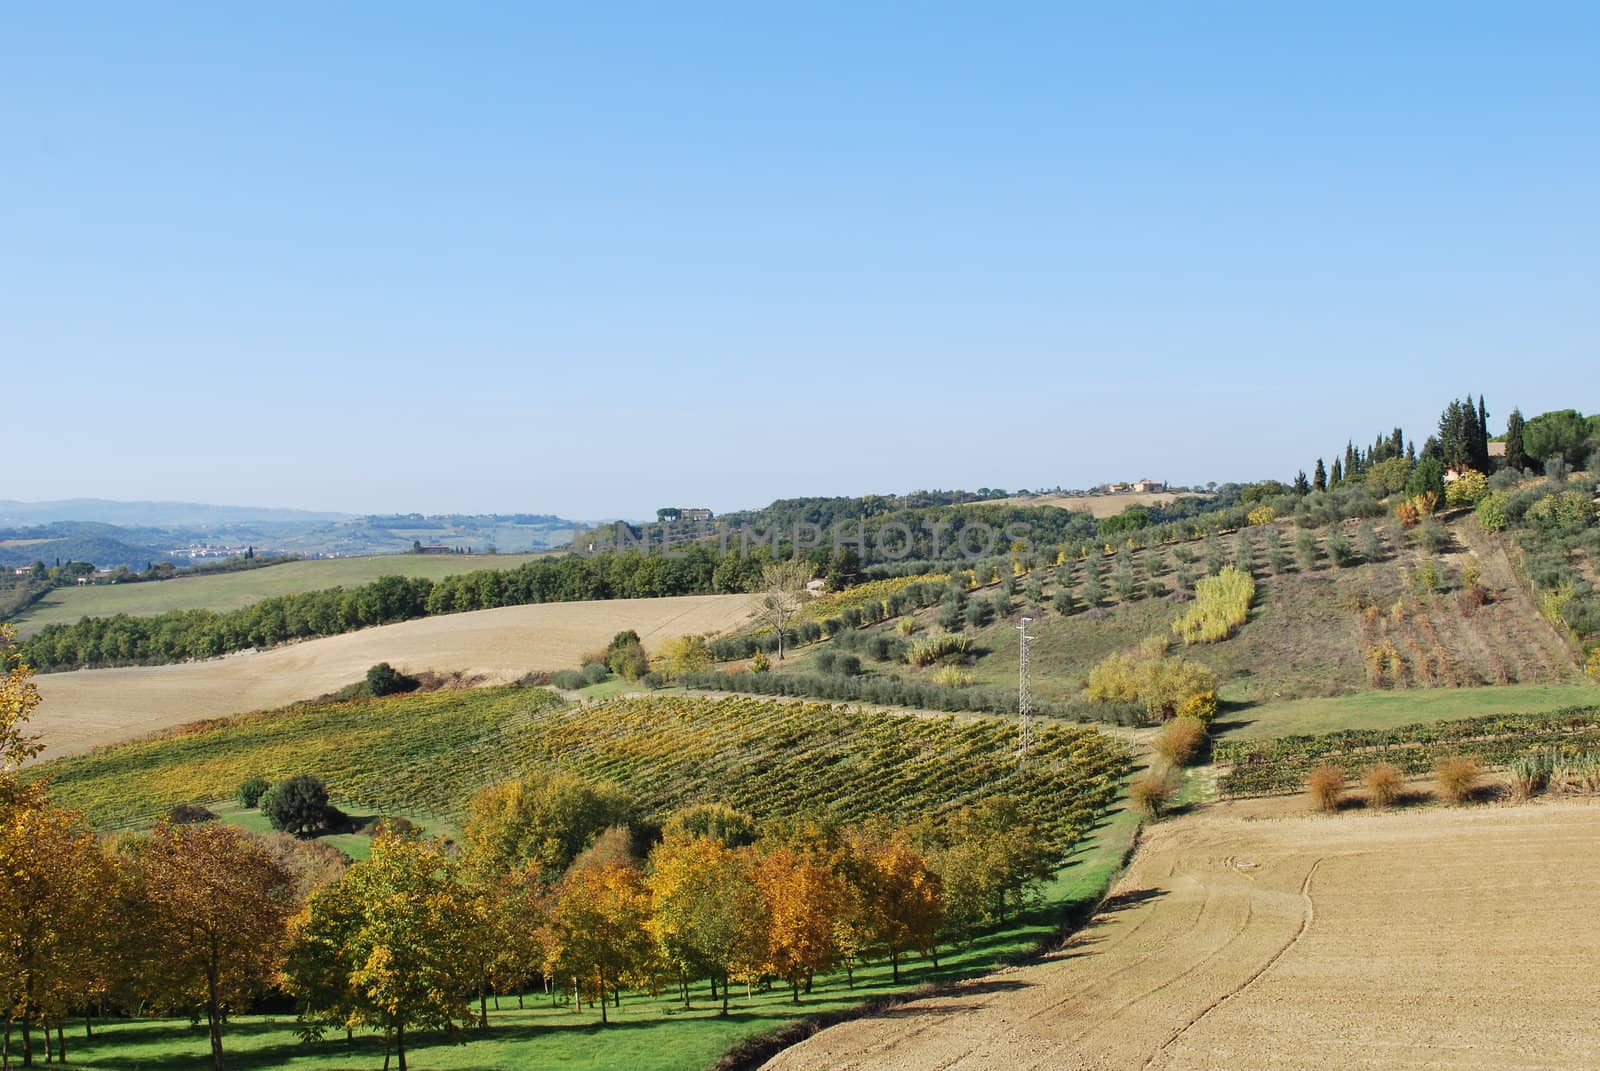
(153, 514)
(111, 534)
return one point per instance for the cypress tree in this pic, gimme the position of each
(1337, 477)
(1302, 486)
(1319, 481)
(1516, 456)
(1482, 436)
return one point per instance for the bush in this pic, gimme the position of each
(953, 677)
(297, 805)
(186, 814)
(1151, 794)
(595, 672)
(1457, 777)
(1466, 489)
(569, 679)
(1326, 786)
(1182, 741)
(760, 663)
(251, 789)
(1384, 784)
(383, 679)
(1222, 603)
(1340, 551)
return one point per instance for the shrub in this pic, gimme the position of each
(1466, 489)
(251, 789)
(1340, 551)
(383, 679)
(1222, 603)
(949, 647)
(1384, 784)
(1114, 679)
(849, 666)
(1326, 786)
(184, 814)
(297, 805)
(595, 672)
(953, 677)
(1151, 794)
(1182, 741)
(906, 625)
(1530, 773)
(569, 679)
(760, 663)
(1262, 515)
(1457, 777)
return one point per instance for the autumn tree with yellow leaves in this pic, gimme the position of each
(803, 897)
(55, 887)
(708, 915)
(216, 905)
(386, 946)
(595, 930)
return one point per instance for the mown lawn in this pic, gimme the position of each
(646, 1034)
(1386, 710)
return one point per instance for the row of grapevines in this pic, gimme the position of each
(1259, 767)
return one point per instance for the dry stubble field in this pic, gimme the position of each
(1438, 938)
(88, 708)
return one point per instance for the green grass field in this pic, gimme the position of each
(1387, 710)
(229, 591)
(648, 1033)
(357, 846)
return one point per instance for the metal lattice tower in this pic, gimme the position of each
(1024, 691)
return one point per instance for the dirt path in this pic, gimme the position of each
(88, 708)
(1438, 938)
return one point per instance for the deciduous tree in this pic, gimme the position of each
(387, 945)
(217, 908)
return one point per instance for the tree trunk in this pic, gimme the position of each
(400, 1045)
(61, 1040)
(724, 993)
(5, 1046)
(894, 965)
(483, 1009)
(794, 988)
(601, 975)
(27, 1039)
(88, 1024)
(212, 1024)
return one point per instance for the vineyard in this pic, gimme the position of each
(427, 754)
(1262, 767)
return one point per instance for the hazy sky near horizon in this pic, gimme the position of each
(592, 259)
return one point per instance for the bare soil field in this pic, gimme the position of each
(88, 708)
(1100, 505)
(1253, 936)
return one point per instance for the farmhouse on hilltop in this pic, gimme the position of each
(1142, 487)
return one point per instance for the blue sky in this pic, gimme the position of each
(592, 259)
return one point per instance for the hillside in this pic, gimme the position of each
(229, 591)
(1312, 631)
(428, 753)
(88, 708)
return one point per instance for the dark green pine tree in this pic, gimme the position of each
(1336, 477)
(1302, 486)
(1319, 481)
(1516, 455)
